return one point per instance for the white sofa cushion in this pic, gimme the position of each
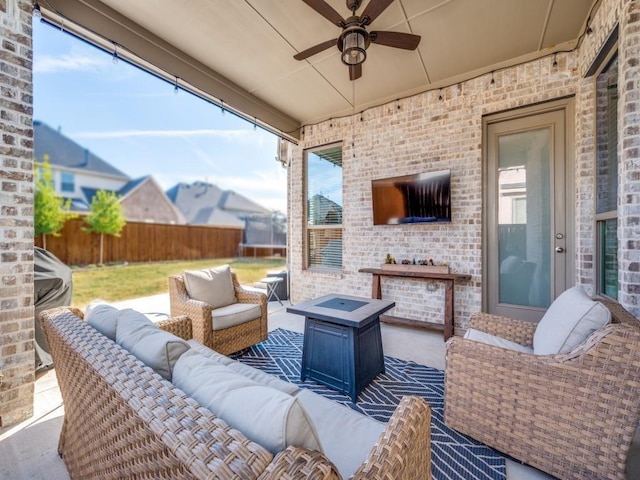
(207, 352)
(103, 317)
(484, 337)
(264, 378)
(213, 286)
(265, 415)
(568, 322)
(155, 348)
(234, 314)
(248, 371)
(346, 436)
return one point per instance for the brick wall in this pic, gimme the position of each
(629, 158)
(426, 133)
(16, 218)
(148, 203)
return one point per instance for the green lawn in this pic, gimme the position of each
(124, 282)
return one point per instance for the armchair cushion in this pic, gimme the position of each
(213, 286)
(568, 322)
(234, 314)
(483, 337)
(156, 348)
(265, 415)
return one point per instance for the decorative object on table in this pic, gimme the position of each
(453, 456)
(406, 265)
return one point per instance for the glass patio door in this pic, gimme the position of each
(528, 216)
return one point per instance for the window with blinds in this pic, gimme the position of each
(323, 186)
(607, 179)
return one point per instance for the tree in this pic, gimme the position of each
(105, 217)
(50, 212)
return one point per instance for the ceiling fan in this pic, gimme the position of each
(354, 39)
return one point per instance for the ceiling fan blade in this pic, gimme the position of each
(373, 10)
(408, 41)
(355, 72)
(326, 10)
(315, 49)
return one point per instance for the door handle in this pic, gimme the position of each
(559, 249)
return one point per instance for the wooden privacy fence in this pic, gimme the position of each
(143, 242)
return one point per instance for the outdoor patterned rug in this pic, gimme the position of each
(454, 456)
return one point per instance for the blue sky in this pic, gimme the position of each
(138, 124)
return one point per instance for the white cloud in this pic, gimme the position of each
(217, 133)
(70, 62)
(262, 182)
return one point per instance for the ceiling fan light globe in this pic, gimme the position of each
(354, 48)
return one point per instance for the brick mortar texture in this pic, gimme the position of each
(423, 133)
(629, 158)
(16, 219)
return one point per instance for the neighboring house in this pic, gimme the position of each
(241, 206)
(322, 211)
(79, 174)
(143, 200)
(203, 203)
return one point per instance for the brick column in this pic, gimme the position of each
(629, 158)
(16, 216)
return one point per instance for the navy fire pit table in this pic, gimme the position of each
(342, 345)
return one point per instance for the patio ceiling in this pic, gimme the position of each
(240, 52)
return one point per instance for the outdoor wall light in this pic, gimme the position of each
(36, 11)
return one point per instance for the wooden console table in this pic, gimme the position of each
(447, 278)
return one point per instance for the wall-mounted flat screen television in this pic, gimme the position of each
(418, 198)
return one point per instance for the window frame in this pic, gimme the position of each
(307, 228)
(64, 183)
(600, 219)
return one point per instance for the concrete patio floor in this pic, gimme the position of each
(29, 450)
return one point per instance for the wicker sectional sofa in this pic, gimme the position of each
(124, 420)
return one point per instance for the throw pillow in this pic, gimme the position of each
(267, 416)
(484, 337)
(213, 286)
(103, 317)
(568, 322)
(154, 347)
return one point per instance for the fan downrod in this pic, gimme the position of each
(353, 5)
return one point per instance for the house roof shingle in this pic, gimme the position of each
(132, 185)
(64, 152)
(203, 203)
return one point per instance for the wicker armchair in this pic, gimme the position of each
(572, 415)
(225, 341)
